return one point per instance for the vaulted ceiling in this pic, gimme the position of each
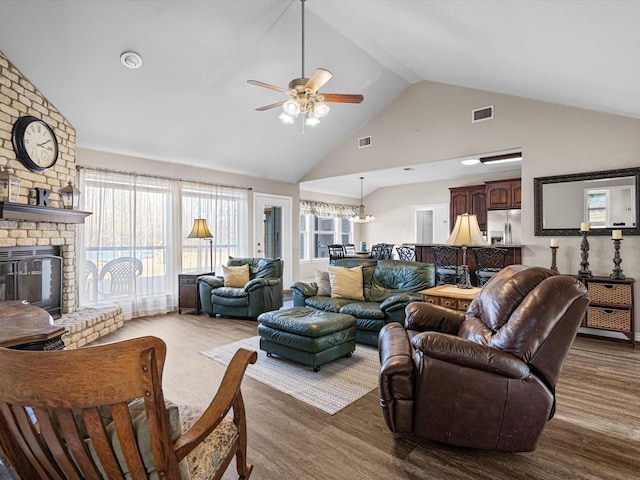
(190, 103)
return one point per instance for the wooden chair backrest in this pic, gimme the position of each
(44, 395)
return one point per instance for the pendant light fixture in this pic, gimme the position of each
(361, 217)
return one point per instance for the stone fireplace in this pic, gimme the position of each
(27, 227)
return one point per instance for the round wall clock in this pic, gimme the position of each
(35, 144)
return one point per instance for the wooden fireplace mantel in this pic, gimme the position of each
(32, 213)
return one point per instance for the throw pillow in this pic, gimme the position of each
(346, 282)
(322, 279)
(236, 277)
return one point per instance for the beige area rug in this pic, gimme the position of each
(335, 386)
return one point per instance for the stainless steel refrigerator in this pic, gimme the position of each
(504, 227)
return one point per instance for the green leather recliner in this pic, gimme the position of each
(389, 286)
(262, 293)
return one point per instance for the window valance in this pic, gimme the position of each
(323, 209)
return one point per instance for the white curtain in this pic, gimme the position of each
(133, 224)
(225, 210)
(130, 227)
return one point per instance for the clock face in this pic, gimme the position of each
(35, 143)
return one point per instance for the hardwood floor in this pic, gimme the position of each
(595, 433)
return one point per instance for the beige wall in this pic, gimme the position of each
(432, 121)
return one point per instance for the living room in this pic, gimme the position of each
(407, 131)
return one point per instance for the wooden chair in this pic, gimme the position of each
(382, 251)
(70, 415)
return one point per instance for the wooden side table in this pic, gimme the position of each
(450, 296)
(188, 295)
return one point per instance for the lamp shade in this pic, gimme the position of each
(466, 231)
(200, 229)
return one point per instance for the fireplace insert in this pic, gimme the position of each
(33, 274)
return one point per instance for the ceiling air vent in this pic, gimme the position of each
(484, 113)
(364, 142)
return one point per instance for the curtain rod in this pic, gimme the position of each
(163, 177)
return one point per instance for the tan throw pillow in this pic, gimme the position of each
(322, 280)
(346, 282)
(236, 277)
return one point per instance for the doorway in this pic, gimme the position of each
(272, 230)
(431, 223)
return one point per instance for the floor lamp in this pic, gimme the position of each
(466, 232)
(200, 230)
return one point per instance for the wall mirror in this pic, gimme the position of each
(608, 200)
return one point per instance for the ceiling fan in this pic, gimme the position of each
(304, 97)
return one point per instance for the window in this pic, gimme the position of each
(597, 207)
(144, 222)
(316, 232)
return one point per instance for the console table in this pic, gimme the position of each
(27, 327)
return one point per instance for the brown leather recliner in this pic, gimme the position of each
(484, 379)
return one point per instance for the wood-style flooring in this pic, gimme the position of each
(595, 433)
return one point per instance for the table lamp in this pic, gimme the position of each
(465, 232)
(200, 230)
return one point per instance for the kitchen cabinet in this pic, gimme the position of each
(472, 199)
(504, 194)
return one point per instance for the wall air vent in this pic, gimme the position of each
(364, 142)
(480, 114)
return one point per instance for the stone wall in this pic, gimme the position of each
(19, 97)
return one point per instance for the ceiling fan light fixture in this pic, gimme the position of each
(311, 121)
(320, 110)
(286, 118)
(291, 107)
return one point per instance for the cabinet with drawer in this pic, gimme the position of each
(450, 296)
(188, 295)
(611, 306)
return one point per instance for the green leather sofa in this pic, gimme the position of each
(389, 286)
(262, 293)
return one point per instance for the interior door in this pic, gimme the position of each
(272, 230)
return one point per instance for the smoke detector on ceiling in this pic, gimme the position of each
(131, 60)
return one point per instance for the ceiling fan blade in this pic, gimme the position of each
(342, 98)
(318, 79)
(273, 105)
(266, 85)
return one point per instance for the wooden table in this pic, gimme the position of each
(27, 327)
(450, 296)
(188, 294)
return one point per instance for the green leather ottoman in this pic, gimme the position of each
(307, 336)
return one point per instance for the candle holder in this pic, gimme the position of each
(554, 251)
(617, 271)
(584, 264)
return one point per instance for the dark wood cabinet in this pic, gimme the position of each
(472, 199)
(611, 306)
(188, 294)
(504, 194)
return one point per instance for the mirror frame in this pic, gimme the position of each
(539, 182)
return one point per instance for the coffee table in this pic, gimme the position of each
(450, 296)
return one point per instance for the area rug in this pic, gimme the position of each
(335, 386)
